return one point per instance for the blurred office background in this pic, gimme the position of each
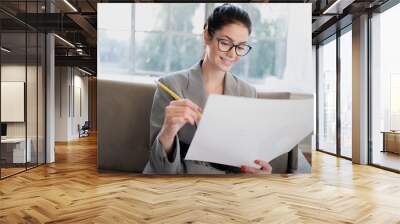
(49, 52)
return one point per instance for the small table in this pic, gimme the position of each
(17, 150)
(391, 141)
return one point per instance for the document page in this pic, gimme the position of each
(238, 130)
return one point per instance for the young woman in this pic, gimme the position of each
(173, 122)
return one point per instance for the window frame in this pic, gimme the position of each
(334, 37)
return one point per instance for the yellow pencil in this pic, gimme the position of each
(170, 92)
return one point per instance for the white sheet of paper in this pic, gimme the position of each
(237, 130)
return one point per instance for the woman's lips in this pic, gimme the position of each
(226, 62)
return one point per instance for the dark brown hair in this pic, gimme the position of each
(224, 15)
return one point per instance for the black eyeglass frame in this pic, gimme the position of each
(233, 46)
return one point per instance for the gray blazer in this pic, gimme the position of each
(187, 84)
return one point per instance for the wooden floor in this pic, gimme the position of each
(8, 171)
(5, 172)
(71, 191)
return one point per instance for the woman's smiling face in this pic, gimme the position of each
(235, 33)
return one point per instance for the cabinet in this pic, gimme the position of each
(13, 150)
(391, 141)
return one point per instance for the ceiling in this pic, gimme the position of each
(76, 22)
(78, 27)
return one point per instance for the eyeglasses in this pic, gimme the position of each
(225, 45)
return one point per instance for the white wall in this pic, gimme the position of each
(79, 117)
(11, 73)
(33, 127)
(69, 82)
(62, 81)
(16, 73)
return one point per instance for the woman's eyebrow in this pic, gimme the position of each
(244, 42)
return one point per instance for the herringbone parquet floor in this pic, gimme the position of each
(72, 191)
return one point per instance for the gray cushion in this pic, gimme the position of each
(123, 125)
(273, 95)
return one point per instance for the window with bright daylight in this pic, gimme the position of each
(385, 89)
(154, 39)
(346, 94)
(327, 96)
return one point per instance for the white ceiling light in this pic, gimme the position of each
(338, 6)
(5, 50)
(70, 5)
(84, 71)
(64, 40)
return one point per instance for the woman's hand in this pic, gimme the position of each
(265, 168)
(177, 114)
